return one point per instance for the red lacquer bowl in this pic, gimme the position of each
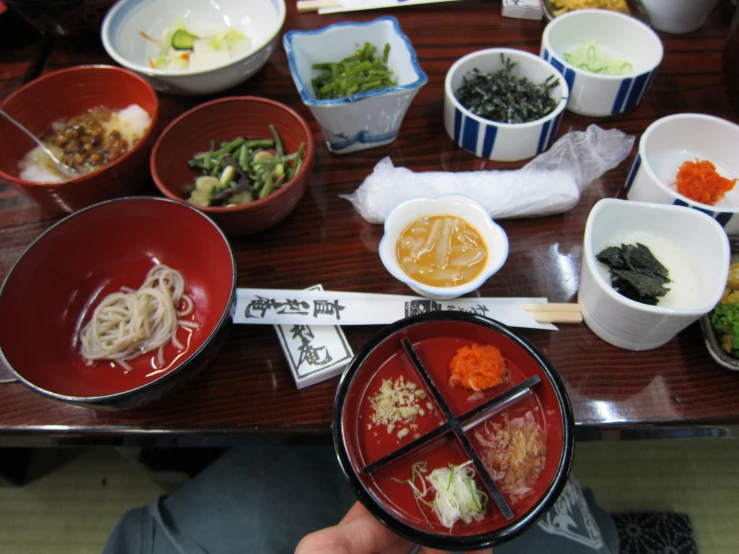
(224, 120)
(362, 446)
(65, 94)
(57, 283)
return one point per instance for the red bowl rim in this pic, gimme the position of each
(92, 400)
(83, 178)
(218, 210)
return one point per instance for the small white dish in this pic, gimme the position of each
(260, 20)
(678, 16)
(667, 144)
(367, 119)
(690, 244)
(622, 37)
(494, 140)
(464, 207)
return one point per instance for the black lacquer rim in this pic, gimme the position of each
(435, 540)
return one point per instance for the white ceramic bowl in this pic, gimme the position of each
(505, 142)
(689, 243)
(456, 205)
(260, 20)
(619, 35)
(672, 140)
(678, 16)
(366, 119)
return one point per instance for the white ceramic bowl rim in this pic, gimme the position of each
(606, 285)
(458, 290)
(111, 19)
(536, 59)
(303, 90)
(601, 13)
(647, 166)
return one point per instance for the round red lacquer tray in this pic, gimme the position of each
(376, 461)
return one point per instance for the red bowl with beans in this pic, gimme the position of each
(221, 121)
(57, 98)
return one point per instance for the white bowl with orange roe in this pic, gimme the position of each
(689, 160)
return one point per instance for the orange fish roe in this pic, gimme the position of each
(478, 368)
(700, 182)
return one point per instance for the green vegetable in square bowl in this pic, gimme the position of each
(358, 80)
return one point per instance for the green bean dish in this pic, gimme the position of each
(241, 171)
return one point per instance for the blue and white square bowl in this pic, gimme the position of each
(667, 144)
(367, 119)
(493, 140)
(617, 35)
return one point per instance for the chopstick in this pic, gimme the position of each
(554, 312)
(315, 5)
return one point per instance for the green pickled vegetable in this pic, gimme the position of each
(183, 40)
(590, 58)
(242, 170)
(503, 97)
(360, 72)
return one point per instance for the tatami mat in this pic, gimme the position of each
(699, 477)
(73, 508)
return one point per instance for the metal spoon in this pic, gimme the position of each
(61, 166)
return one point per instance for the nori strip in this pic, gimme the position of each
(635, 272)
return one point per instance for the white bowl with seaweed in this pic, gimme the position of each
(690, 246)
(356, 118)
(503, 104)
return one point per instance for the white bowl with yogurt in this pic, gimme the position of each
(131, 27)
(691, 245)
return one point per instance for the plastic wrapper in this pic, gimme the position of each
(549, 184)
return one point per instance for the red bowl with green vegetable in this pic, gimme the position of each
(245, 161)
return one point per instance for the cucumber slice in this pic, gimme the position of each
(183, 40)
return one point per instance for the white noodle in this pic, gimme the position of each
(132, 322)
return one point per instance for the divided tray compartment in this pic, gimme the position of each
(376, 462)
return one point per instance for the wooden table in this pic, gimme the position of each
(675, 390)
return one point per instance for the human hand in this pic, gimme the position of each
(360, 533)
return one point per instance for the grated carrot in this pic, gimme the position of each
(478, 368)
(700, 182)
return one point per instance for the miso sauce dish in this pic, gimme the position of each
(449, 428)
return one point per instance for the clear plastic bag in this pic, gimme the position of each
(549, 184)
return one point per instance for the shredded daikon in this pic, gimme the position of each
(457, 495)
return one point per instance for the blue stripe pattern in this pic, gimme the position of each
(457, 124)
(621, 96)
(543, 137)
(636, 164)
(723, 218)
(567, 73)
(489, 141)
(637, 90)
(469, 134)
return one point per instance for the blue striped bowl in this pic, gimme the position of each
(493, 140)
(672, 140)
(622, 36)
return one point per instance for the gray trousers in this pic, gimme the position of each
(264, 499)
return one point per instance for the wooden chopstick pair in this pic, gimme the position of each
(554, 312)
(315, 5)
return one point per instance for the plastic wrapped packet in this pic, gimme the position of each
(549, 184)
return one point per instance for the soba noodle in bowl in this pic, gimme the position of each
(130, 323)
